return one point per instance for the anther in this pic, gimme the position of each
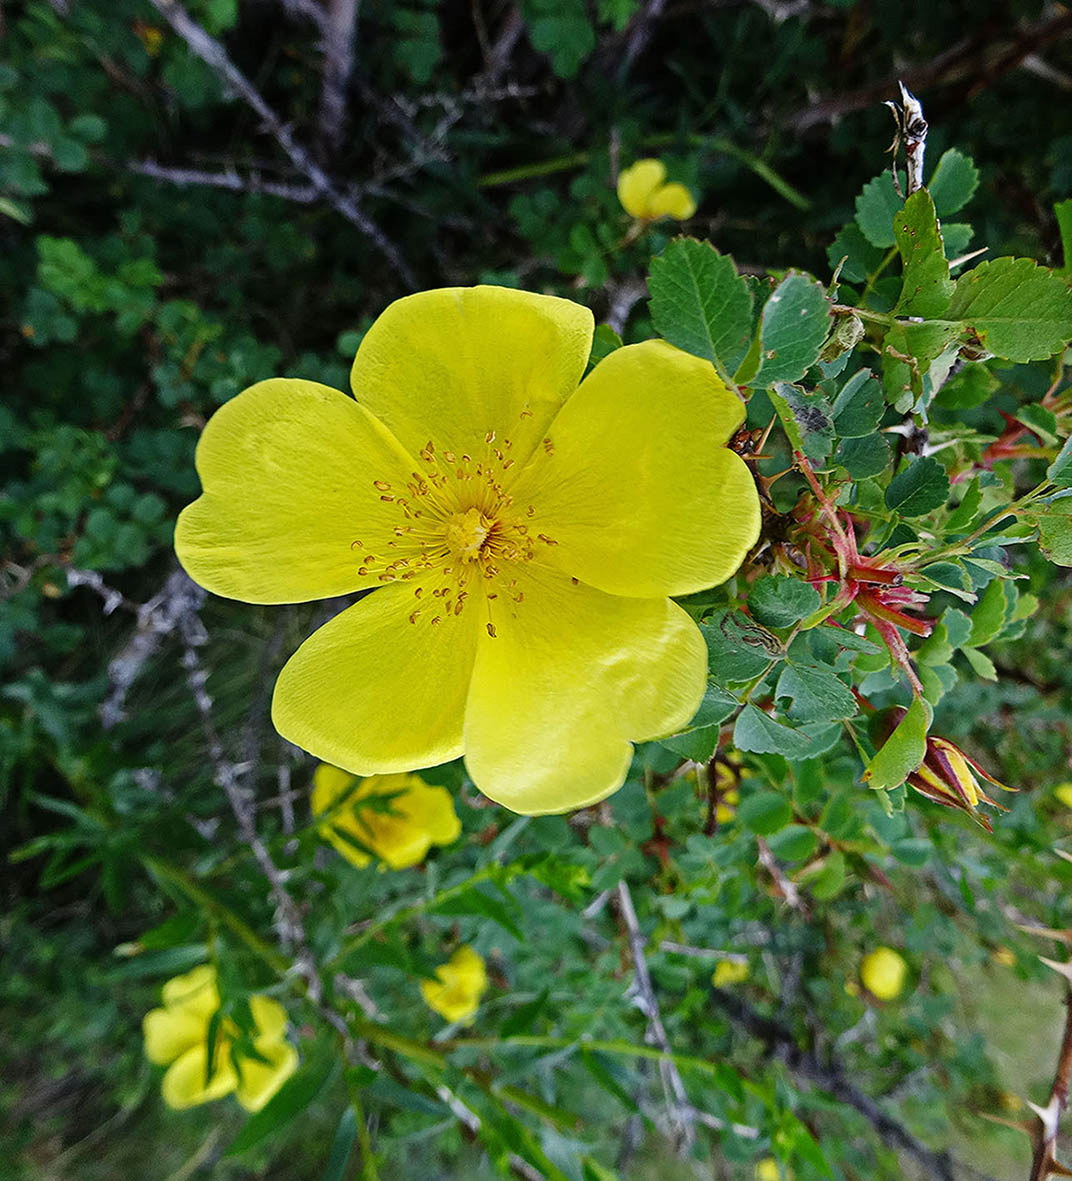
(491, 630)
(356, 545)
(489, 437)
(381, 485)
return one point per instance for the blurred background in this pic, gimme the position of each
(194, 197)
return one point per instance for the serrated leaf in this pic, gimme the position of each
(919, 488)
(1060, 471)
(860, 257)
(1054, 523)
(953, 182)
(817, 693)
(700, 740)
(1020, 311)
(981, 664)
(699, 303)
(792, 329)
(806, 418)
(737, 648)
(927, 287)
(903, 751)
(859, 407)
(757, 732)
(960, 519)
(957, 236)
(779, 600)
(794, 843)
(864, 457)
(473, 901)
(875, 209)
(1063, 211)
(1040, 421)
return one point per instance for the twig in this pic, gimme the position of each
(682, 1117)
(786, 887)
(833, 1079)
(307, 9)
(339, 31)
(702, 953)
(1044, 1163)
(227, 179)
(624, 299)
(213, 54)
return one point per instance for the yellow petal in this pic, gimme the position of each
(672, 200)
(883, 972)
(169, 1033)
(452, 365)
(636, 185)
(458, 986)
(293, 475)
(637, 486)
(371, 692)
(729, 972)
(419, 817)
(269, 1016)
(260, 1080)
(571, 677)
(184, 1083)
(194, 993)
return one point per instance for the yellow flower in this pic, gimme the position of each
(729, 972)
(1063, 791)
(416, 816)
(645, 195)
(458, 986)
(176, 1036)
(883, 973)
(769, 1170)
(525, 535)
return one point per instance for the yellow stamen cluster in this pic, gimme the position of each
(460, 531)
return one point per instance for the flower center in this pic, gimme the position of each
(466, 533)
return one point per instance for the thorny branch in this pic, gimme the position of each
(1044, 1163)
(213, 54)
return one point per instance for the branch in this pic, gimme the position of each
(682, 1117)
(833, 1079)
(228, 179)
(213, 54)
(339, 32)
(1044, 1162)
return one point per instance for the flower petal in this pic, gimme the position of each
(169, 1033)
(371, 692)
(184, 1083)
(571, 677)
(269, 1016)
(260, 1080)
(194, 993)
(638, 489)
(672, 200)
(329, 785)
(637, 183)
(294, 474)
(450, 366)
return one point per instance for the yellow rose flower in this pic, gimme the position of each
(524, 534)
(417, 816)
(883, 973)
(645, 195)
(458, 986)
(176, 1036)
(729, 972)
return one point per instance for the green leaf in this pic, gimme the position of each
(1063, 210)
(919, 488)
(737, 648)
(875, 208)
(927, 287)
(859, 407)
(604, 341)
(989, 615)
(1019, 311)
(522, 1019)
(964, 514)
(793, 326)
(794, 843)
(290, 1100)
(700, 740)
(807, 419)
(757, 732)
(779, 600)
(699, 303)
(765, 812)
(860, 257)
(562, 30)
(341, 1146)
(472, 901)
(1060, 471)
(953, 182)
(1054, 522)
(957, 236)
(903, 751)
(981, 664)
(817, 693)
(864, 457)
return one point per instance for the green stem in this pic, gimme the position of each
(369, 1171)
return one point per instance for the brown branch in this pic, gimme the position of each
(339, 33)
(227, 179)
(213, 54)
(1045, 1158)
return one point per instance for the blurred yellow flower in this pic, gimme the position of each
(769, 1170)
(729, 972)
(409, 819)
(645, 195)
(176, 1036)
(458, 986)
(525, 536)
(1063, 791)
(883, 973)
